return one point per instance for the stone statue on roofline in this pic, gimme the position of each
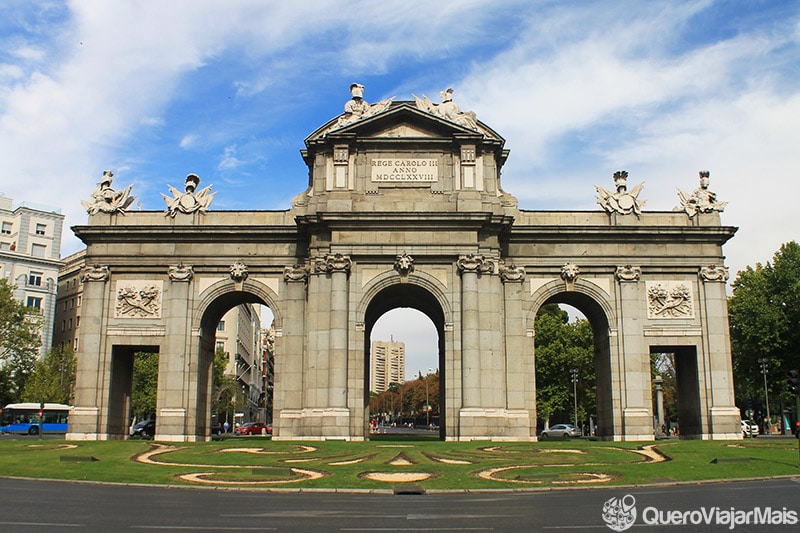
(357, 108)
(701, 200)
(621, 201)
(104, 199)
(189, 201)
(447, 110)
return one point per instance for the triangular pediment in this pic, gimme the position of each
(400, 120)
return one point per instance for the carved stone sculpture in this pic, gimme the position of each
(357, 108)
(180, 273)
(239, 272)
(669, 300)
(701, 200)
(295, 273)
(95, 273)
(512, 274)
(628, 273)
(569, 272)
(621, 201)
(475, 263)
(333, 263)
(714, 273)
(190, 201)
(138, 300)
(404, 264)
(104, 199)
(448, 109)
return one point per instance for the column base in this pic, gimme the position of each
(494, 424)
(323, 423)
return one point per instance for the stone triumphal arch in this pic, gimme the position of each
(404, 208)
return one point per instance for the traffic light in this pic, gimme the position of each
(794, 381)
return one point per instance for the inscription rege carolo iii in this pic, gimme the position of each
(389, 170)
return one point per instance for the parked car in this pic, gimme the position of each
(253, 428)
(562, 430)
(749, 429)
(144, 429)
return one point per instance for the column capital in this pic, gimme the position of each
(180, 272)
(512, 274)
(95, 273)
(714, 273)
(628, 273)
(295, 273)
(333, 263)
(476, 263)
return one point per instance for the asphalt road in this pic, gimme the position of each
(30, 505)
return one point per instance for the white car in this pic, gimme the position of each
(749, 429)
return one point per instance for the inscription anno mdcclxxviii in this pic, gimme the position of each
(405, 170)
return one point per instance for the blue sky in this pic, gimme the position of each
(155, 90)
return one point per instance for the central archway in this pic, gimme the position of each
(404, 295)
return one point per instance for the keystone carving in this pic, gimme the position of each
(404, 264)
(570, 272)
(239, 272)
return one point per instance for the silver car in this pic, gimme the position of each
(561, 430)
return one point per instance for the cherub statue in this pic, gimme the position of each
(701, 200)
(357, 108)
(189, 201)
(622, 201)
(104, 199)
(448, 109)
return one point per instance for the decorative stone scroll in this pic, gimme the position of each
(239, 272)
(333, 263)
(622, 201)
(669, 299)
(570, 272)
(295, 273)
(190, 201)
(180, 272)
(512, 274)
(714, 273)
(104, 199)
(628, 273)
(404, 264)
(475, 263)
(701, 200)
(95, 273)
(138, 299)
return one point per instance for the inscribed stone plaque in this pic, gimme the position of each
(399, 170)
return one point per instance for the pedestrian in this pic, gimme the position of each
(225, 426)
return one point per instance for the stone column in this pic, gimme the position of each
(469, 266)
(338, 266)
(93, 364)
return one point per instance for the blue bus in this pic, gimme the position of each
(31, 418)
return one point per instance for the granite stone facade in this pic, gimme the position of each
(404, 208)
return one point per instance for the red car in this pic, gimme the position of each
(254, 428)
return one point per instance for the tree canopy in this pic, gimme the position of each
(561, 346)
(53, 379)
(764, 314)
(20, 340)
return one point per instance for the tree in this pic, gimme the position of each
(145, 385)
(764, 312)
(562, 345)
(20, 340)
(53, 379)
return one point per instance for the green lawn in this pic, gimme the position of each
(385, 463)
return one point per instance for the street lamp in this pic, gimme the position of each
(574, 373)
(763, 361)
(427, 401)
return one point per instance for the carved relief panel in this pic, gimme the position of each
(138, 299)
(670, 299)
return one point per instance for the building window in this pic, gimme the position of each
(221, 325)
(70, 323)
(34, 302)
(220, 346)
(6, 230)
(77, 322)
(35, 279)
(63, 325)
(38, 250)
(79, 300)
(41, 229)
(75, 344)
